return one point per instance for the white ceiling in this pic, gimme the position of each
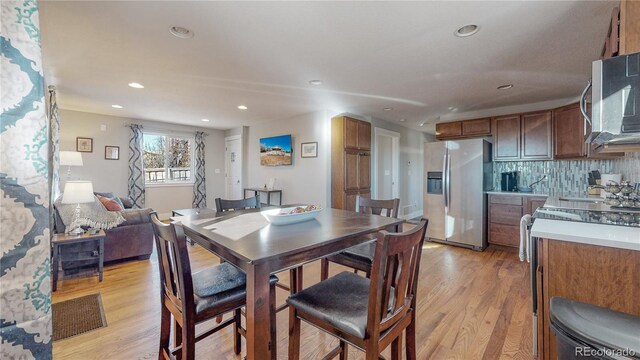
(369, 55)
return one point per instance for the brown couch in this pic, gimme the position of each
(133, 239)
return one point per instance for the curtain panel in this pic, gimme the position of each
(25, 285)
(199, 187)
(54, 144)
(136, 167)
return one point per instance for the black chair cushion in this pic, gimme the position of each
(217, 279)
(340, 301)
(363, 253)
(219, 285)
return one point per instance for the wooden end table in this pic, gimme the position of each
(62, 240)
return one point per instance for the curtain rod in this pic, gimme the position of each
(153, 128)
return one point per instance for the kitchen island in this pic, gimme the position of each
(592, 262)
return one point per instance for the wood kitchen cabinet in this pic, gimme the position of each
(506, 138)
(623, 33)
(597, 275)
(568, 133)
(449, 130)
(537, 133)
(505, 212)
(350, 161)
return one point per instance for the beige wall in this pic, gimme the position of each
(307, 180)
(112, 175)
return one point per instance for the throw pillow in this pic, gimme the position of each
(110, 204)
(112, 196)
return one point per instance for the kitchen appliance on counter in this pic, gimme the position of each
(457, 175)
(509, 181)
(615, 111)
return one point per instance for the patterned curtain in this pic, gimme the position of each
(199, 187)
(136, 167)
(54, 144)
(25, 295)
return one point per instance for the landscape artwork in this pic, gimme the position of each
(275, 151)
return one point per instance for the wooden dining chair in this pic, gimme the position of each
(370, 314)
(360, 256)
(229, 205)
(194, 298)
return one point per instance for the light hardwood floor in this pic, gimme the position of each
(471, 306)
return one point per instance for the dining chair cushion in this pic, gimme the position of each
(362, 253)
(217, 279)
(341, 301)
(213, 287)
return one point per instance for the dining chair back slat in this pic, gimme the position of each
(375, 207)
(230, 205)
(394, 275)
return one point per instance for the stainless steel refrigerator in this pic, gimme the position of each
(457, 174)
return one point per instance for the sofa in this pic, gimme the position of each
(131, 240)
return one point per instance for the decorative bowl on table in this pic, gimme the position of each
(291, 215)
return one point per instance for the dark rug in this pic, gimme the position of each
(77, 316)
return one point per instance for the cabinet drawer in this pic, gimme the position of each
(505, 214)
(508, 235)
(505, 199)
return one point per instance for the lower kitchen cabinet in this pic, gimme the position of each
(505, 212)
(598, 275)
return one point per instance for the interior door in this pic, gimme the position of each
(233, 167)
(465, 185)
(433, 195)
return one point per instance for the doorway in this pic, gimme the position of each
(386, 161)
(233, 167)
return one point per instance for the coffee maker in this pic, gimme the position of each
(509, 181)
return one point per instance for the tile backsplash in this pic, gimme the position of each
(567, 176)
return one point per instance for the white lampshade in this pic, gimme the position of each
(77, 192)
(70, 158)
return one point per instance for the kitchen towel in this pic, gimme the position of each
(524, 252)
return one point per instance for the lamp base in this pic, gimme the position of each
(77, 231)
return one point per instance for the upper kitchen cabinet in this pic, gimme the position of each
(536, 136)
(623, 35)
(463, 129)
(506, 138)
(357, 133)
(568, 133)
(448, 130)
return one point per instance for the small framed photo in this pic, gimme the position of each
(84, 144)
(309, 150)
(112, 152)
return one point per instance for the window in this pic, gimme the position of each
(167, 159)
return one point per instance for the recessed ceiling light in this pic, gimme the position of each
(387, 109)
(450, 107)
(315, 82)
(180, 32)
(242, 107)
(421, 124)
(505, 87)
(115, 106)
(467, 30)
(403, 120)
(136, 85)
(206, 120)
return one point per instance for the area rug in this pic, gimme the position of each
(77, 316)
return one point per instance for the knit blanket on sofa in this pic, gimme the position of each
(93, 215)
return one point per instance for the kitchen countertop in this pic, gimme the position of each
(621, 237)
(516, 193)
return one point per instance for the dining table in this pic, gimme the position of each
(248, 241)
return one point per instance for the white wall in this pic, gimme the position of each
(307, 180)
(112, 175)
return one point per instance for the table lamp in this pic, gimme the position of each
(77, 192)
(69, 159)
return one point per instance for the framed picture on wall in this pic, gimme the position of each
(309, 150)
(84, 144)
(112, 152)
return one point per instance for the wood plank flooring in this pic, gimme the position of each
(471, 306)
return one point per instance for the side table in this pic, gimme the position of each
(61, 240)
